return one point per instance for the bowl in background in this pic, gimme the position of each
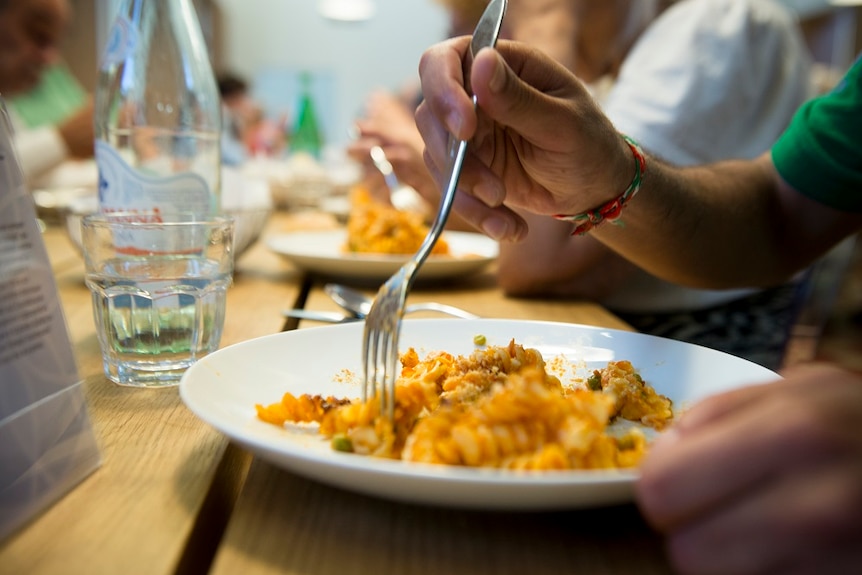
(300, 181)
(248, 225)
(52, 204)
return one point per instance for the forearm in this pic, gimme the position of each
(706, 226)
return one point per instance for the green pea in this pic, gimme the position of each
(342, 443)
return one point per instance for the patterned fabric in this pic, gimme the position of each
(754, 327)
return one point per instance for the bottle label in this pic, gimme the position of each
(122, 188)
(121, 41)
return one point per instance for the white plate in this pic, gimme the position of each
(323, 252)
(223, 388)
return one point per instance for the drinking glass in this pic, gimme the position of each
(158, 285)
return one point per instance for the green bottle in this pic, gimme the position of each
(306, 132)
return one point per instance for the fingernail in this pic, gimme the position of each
(498, 79)
(496, 228)
(520, 232)
(453, 122)
(488, 193)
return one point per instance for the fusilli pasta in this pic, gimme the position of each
(497, 407)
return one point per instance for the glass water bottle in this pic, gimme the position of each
(158, 113)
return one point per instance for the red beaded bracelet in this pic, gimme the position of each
(611, 210)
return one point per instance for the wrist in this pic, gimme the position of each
(611, 210)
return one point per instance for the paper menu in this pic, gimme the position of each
(46, 440)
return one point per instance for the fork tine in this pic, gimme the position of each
(392, 361)
(380, 381)
(369, 366)
(381, 363)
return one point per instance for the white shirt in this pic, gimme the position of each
(39, 149)
(709, 80)
(44, 158)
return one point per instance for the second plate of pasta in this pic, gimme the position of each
(323, 252)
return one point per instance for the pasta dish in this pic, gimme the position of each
(496, 407)
(378, 228)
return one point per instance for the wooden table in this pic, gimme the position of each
(174, 496)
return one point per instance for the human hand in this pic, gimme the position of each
(78, 133)
(538, 141)
(387, 120)
(765, 479)
(389, 123)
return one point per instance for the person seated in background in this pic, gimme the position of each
(693, 81)
(245, 129)
(30, 34)
(233, 92)
(763, 479)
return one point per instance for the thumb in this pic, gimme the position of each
(499, 91)
(525, 90)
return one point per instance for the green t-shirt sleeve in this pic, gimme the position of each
(820, 154)
(57, 96)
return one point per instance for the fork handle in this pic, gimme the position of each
(445, 202)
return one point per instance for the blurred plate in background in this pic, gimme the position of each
(323, 252)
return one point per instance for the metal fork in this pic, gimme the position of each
(384, 166)
(383, 323)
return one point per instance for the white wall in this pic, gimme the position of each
(264, 35)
